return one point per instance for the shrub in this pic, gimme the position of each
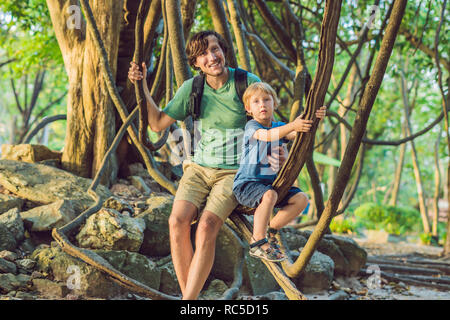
(343, 226)
(395, 220)
(442, 231)
(425, 238)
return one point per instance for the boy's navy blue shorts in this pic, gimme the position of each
(250, 193)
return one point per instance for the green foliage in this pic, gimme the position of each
(395, 220)
(326, 160)
(347, 226)
(26, 34)
(425, 238)
(442, 231)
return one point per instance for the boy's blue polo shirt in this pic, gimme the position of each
(254, 164)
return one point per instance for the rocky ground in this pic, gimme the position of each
(130, 235)
(357, 288)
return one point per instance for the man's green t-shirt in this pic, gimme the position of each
(221, 122)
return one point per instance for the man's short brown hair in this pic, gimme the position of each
(198, 43)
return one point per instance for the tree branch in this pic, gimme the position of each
(117, 100)
(220, 25)
(428, 51)
(276, 25)
(16, 96)
(261, 45)
(389, 142)
(239, 34)
(358, 131)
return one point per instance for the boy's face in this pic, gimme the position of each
(261, 106)
(212, 60)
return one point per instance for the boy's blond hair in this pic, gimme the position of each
(260, 86)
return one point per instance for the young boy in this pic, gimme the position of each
(253, 182)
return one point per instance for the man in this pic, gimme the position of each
(205, 190)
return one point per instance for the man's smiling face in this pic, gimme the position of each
(212, 61)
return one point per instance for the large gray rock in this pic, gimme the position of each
(156, 235)
(124, 190)
(110, 230)
(355, 254)
(347, 255)
(331, 249)
(296, 239)
(318, 274)
(7, 266)
(8, 255)
(81, 278)
(134, 265)
(44, 184)
(47, 217)
(257, 276)
(215, 290)
(50, 289)
(169, 282)
(85, 280)
(26, 264)
(227, 253)
(8, 202)
(11, 219)
(293, 238)
(118, 204)
(10, 282)
(29, 152)
(7, 239)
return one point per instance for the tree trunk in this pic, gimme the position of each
(177, 43)
(445, 105)
(187, 15)
(26, 108)
(332, 170)
(342, 111)
(239, 34)
(420, 191)
(447, 241)
(127, 45)
(273, 22)
(357, 177)
(221, 26)
(356, 136)
(302, 81)
(398, 171)
(315, 98)
(315, 185)
(437, 186)
(90, 112)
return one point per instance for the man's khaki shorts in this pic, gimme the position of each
(210, 189)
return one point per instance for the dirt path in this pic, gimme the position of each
(365, 287)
